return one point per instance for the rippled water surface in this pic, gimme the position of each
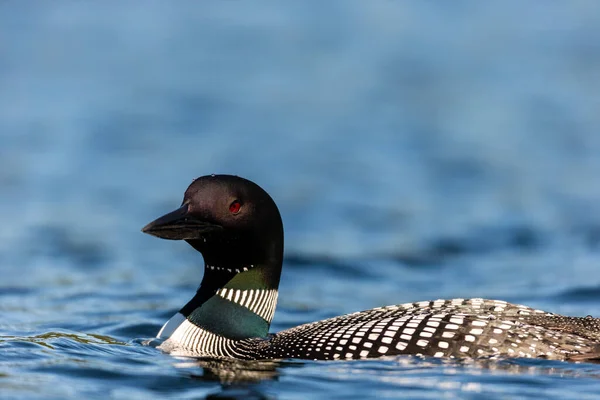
(416, 150)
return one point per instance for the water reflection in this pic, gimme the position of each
(238, 379)
(254, 379)
(231, 371)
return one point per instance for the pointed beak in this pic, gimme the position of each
(179, 225)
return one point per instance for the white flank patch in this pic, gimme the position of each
(170, 326)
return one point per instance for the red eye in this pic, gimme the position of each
(234, 207)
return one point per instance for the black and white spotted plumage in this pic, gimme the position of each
(454, 328)
(442, 328)
(237, 227)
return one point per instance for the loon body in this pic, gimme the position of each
(238, 229)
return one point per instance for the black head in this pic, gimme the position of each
(230, 220)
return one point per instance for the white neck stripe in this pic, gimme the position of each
(236, 270)
(260, 301)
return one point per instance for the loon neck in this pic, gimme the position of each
(235, 302)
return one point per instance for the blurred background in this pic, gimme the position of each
(417, 150)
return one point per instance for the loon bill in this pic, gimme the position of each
(238, 229)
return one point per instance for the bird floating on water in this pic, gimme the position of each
(237, 227)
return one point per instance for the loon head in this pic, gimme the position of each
(237, 227)
(232, 221)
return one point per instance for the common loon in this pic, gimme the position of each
(237, 227)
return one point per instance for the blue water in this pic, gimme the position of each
(417, 150)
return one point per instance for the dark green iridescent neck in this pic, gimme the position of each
(227, 318)
(257, 277)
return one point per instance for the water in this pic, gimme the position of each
(416, 150)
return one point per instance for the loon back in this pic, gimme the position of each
(237, 227)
